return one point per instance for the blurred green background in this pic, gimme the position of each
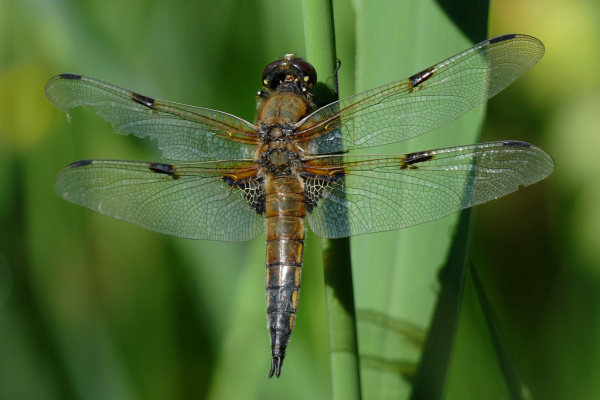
(94, 308)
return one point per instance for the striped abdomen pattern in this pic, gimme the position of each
(285, 212)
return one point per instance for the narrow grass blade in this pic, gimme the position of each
(320, 51)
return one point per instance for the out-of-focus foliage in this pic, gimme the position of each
(94, 308)
(537, 252)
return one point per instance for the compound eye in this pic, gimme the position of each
(307, 69)
(268, 71)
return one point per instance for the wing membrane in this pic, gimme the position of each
(381, 193)
(423, 102)
(183, 132)
(185, 200)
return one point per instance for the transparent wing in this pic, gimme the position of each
(381, 193)
(185, 200)
(183, 132)
(423, 102)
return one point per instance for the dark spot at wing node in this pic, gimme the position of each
(80, 163)
(316, 185)
(422, 76)
(516, 143)
(73, 77)
(143, 100)
(415, 158)
(252, 190)
(502, 38)
(166, 169)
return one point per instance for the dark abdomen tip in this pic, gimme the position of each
(276, 363)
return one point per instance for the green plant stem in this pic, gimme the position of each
(341, 314)
(320, 52)
(319, 41)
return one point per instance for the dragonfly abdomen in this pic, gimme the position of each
(285, 213)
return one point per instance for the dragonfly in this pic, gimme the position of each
(236, 179)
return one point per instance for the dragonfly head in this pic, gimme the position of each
(290, 74)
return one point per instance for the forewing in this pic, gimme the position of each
(186, 200)
(423, 102)
(183, 132)
(381, 193)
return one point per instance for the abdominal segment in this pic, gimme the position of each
(285, 212)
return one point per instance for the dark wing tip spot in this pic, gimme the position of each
(73, 77)
(143, 100)
(502, 38)
(516, 143)
(80, 163)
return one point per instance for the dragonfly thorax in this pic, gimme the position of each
(277, 135)
(278, 154)
(281, 160)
